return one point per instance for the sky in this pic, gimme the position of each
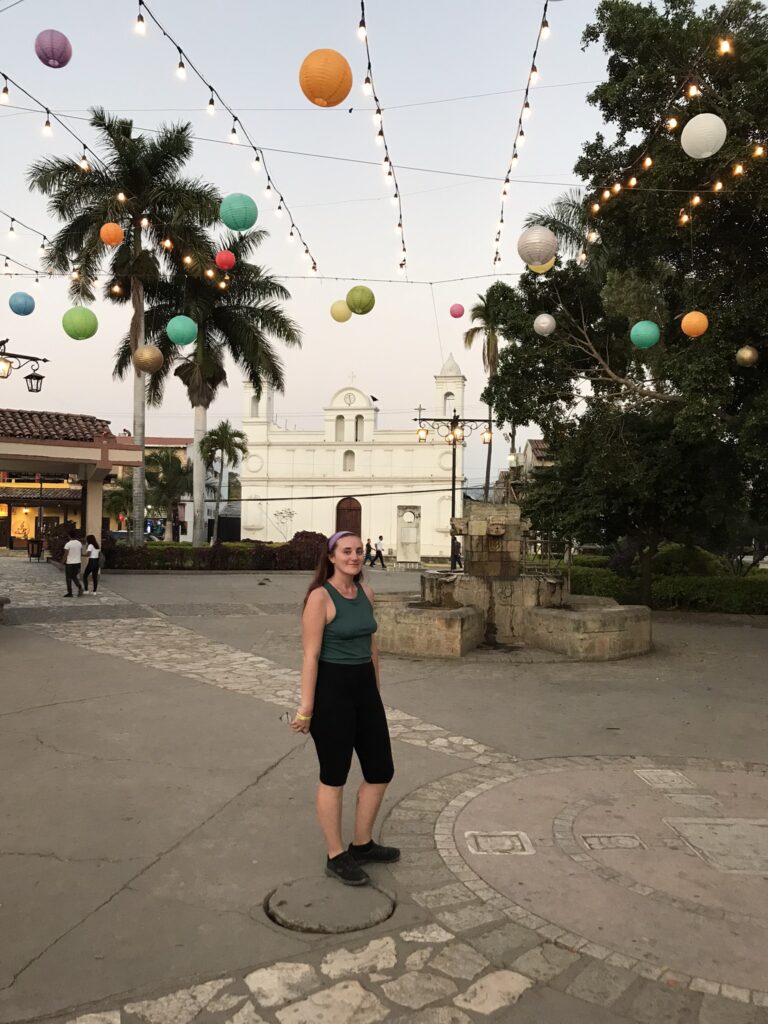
(449, 75)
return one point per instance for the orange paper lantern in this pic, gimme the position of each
(111, 234)
(325, 78)
(694, 324)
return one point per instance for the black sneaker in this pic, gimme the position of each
(346, 870)
(67, 595)
(373, 853)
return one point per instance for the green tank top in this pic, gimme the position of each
(347, 639)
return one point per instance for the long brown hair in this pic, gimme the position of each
(325, 567)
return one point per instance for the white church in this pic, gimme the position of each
(353, 475)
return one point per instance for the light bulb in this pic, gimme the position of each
(222, 285)
(181, 70)
(314, 267)
(291, 236)
(592, 237)
(632, 182)
(256, 164)
(526, 110)
(515, 158)
(545, 29)
(648, 162)
(116, 289)
(606, 194)
(380, 137)
(684, 218)
(75, 275)
(121, 197)
(361, 33)
(398, 227)
(534, 76)
(617, 187)
(12, 231)
(209, 272)
(582, 257)
(187, 260)
(724, 46)
(268, 189)
(37, 281)
(367, 86)
(693, 90)
(279, 210)
(144, 222)
(233, 134)
(717, 187)
(395, 199)
(84, 165)
(305, 255)
(47, 130)
(5, 96)
(141, 26)
(377, 118)
(41, 250)
(521, 138)
(211, 105)
(167, 244)
(385, 163)
(695, 200)
(671, 123)
(738, 169)
(759, 151)
(595, 207)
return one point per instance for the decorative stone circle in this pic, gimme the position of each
(326, 906)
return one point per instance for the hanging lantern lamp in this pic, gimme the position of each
(361, 299)
(182, 330)
(147, 358)
(703, 136)
(644, 334)
(325, 78)
(340, 311)
(80, 323)
(694, 324)
(238, 212)
(747, 355)
(542, 268)
(225, 260)
(537, 245)
(21, 303)
(111, 233)
(544, 324)
(457, 311)
(53, 48)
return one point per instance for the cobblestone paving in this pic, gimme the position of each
(481, 954)
(40, 585)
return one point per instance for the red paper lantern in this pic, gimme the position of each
(225, 259)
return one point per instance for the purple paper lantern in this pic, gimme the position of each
(53, 48)
(457, 310)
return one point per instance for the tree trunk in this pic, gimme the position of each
(488, 462)
(215, 536)
(139, 399)
(198, 478)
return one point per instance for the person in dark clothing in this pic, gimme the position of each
(92, 569)
(456, 552)
(368, 552)
(341, 705)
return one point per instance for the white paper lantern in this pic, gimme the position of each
(537, 245)
(703, 136)
(544, 324)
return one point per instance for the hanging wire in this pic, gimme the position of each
(237, 129)
(389, 167)
(437, 321)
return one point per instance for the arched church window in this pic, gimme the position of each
(449, 403)
(339, 428)
(349, 462)
(255, 407)
(359, 421)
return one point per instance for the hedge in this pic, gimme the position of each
(301, 552)
(746, 595)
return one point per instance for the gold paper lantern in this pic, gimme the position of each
(148, 358)
(747, 355)
(340, 311)
(542, 268)
(694, 324)
(325, 78)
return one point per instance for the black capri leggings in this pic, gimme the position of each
(349, 715)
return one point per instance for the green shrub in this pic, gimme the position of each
(301, 552)
(592, 561)
(736, 595)
(680, 560)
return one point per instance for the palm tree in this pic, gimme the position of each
(239, 314)
(568, 218)
(230, 445)
(168, 480)
(485, 317)
(137, 184)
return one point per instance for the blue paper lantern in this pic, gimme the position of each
(182, 330)
(644, 334)
(21, 303)
(238, 211)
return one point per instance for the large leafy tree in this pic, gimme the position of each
(229, 446)
(168, 480)
(137, 183)
(239, 315)
(655, 251)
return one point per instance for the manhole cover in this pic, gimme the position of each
(324, 905)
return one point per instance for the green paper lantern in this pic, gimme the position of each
(80, 323)
(644, 334)
(238, 211)
(360, 299)
(182, 330)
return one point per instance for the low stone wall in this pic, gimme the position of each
(597, 633)
(407, 628)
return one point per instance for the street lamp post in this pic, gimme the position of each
(10, 361)
(454, 430)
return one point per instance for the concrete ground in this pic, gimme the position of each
(581, 842)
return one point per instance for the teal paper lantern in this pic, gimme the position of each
(360, 299)
(21, 303)
(182, 330)
(644, 334)
(80, 323)
(238, 211)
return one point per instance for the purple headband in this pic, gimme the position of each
(337, 537)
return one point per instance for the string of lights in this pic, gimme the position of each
(369, 88)
(50, 115)
(271, 189)
(7, 260)
(519, 140)
(12, 232)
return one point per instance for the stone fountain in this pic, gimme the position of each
(496, 601)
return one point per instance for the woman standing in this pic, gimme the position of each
(92, 569)
(341, 705)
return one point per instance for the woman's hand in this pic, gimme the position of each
(301, 721)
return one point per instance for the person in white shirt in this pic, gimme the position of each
(379, 556)
(73, 551)
(92, 569)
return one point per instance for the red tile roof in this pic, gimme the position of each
(31, 425)
(29, 495)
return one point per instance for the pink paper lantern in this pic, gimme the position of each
(225, 259)
(53, 48)
(457, 310)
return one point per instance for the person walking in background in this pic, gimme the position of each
(379, 556)
(73, 555)
(368, 552)
(341, 705)
(92, 569)
(455, 552)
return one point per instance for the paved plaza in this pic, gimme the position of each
(581, 842)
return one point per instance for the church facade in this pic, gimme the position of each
(352, 475)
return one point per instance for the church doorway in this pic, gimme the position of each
(349, 515)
